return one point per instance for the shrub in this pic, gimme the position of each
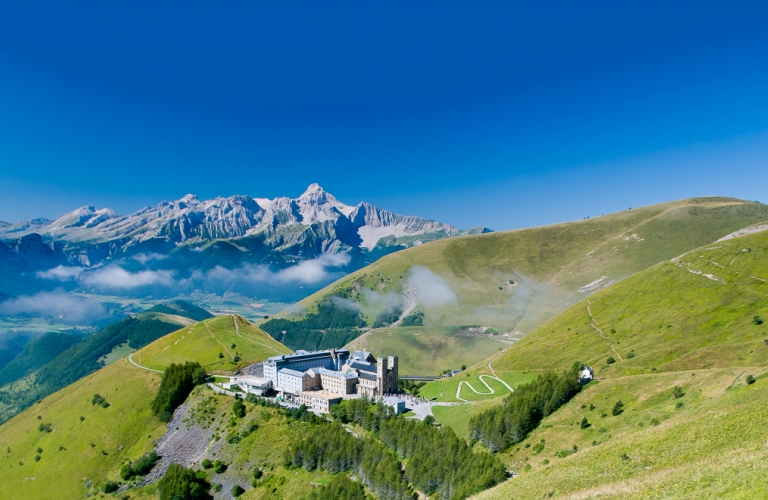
(39, 450)
(757, 320)
(44, 428)
(655, 422)
(110, 487)
(82, 418)
(206, 463)
(217, 487)
(144, 463)
(237, 490)
(631, 355)
(564, 453)
(180, 482)
(618, 409)
(126, 472)
(233, 437)
(610, 360)
(539, 447)
(257, 473)
(221, 355)
(677, 392)
(97, 400)
(591, 406)
(750, 379)
(545, 461)
(585, 423)
(238, 408)
(219, 467)
(37, 458)
(679, 405)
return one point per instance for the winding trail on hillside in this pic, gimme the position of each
(490, 389)
(410, 305)
(593, 324)
(250, 337)
(217, 340)
(130, 359)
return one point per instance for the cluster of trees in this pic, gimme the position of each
(308, 333)
(410, 386)
(522, 411)
(180, 482)
(340, 488)
(140, 467)
(178, 381)
(330, 447)
(416, 319)
(387, 317)
(37, 353)
(440, 464)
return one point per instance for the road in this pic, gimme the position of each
(130, 358)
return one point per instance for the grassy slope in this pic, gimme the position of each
(548, 265)
(203, 342)
(686, 330)
(446, 348)
(128, 422)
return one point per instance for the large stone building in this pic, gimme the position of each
(319, 379)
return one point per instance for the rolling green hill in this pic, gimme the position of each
(28, 380)
(513, 281)
(80, 455)
(204, 342)
(695, 323)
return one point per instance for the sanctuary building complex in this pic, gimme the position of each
(321, 379)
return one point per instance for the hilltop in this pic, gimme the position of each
(513, 281)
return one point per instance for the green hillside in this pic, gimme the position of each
(80, 455)
(695, 324)
(32, 375)
(513, 281)
(181, 308)
(204, 341)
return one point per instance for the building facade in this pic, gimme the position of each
(319, 379)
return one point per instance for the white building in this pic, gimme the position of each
(250, 384)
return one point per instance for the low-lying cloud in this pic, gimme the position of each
(58, 304)
(306, 272)
(115, 277)
(61, 273)
(431, 289)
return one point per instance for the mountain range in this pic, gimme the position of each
(189, 234)
(314, 223)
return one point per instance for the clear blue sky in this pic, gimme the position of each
(506, 114)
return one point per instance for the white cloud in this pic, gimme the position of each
(143, 258)
(61, 273)
(57, 304)
(431, 290)
(306, 272)
(118, 278)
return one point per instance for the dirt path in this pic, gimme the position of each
(481, 377)
(490, 363)
(593, 324)
(217, 340)
(130, 359)
(250, 337)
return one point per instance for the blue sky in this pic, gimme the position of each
(504, 115)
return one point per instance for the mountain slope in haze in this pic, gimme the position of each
(182, 308)
(80, 455)
(513, 281)
(689, 348)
